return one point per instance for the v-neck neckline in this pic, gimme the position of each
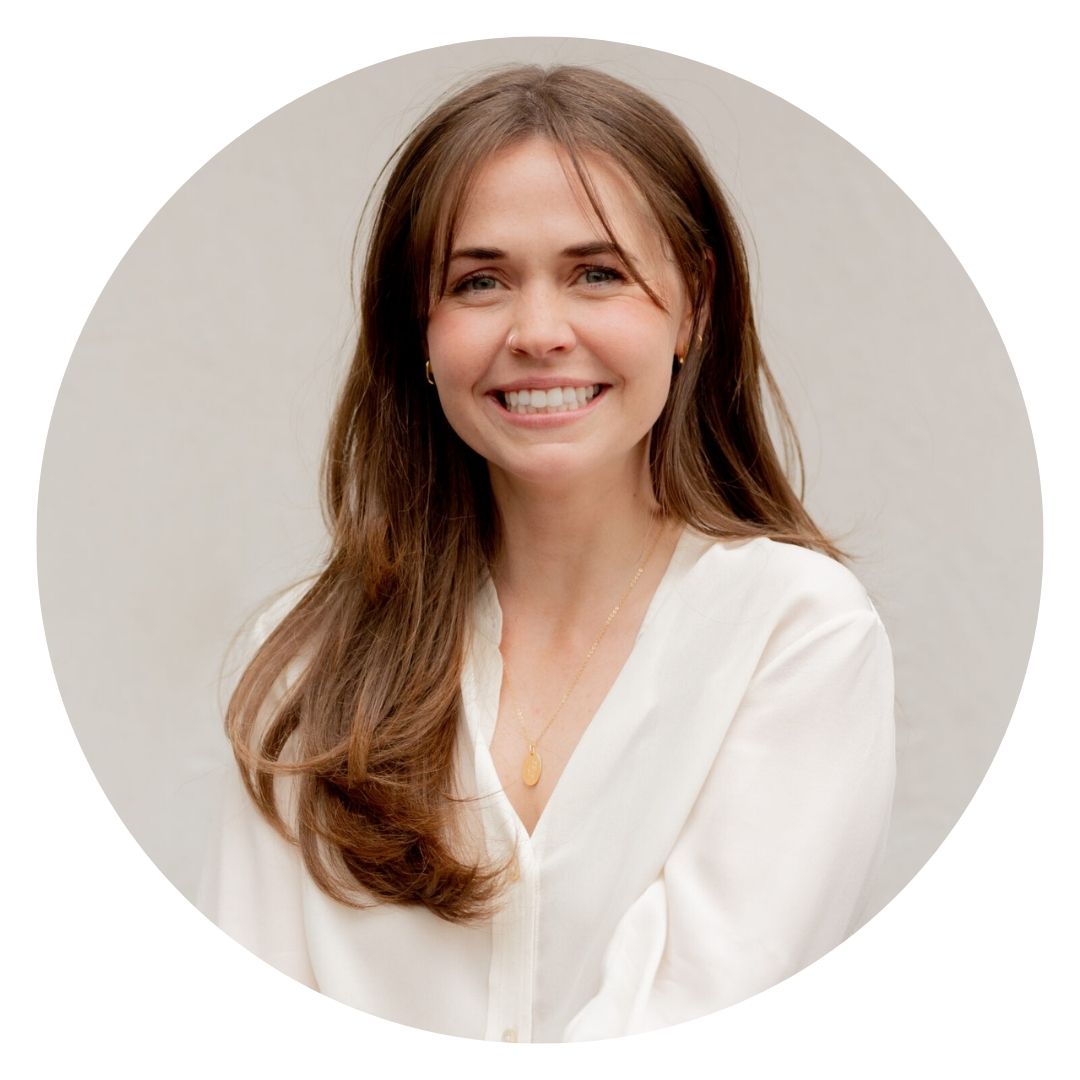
(490, 627)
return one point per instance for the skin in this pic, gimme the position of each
(574, 497)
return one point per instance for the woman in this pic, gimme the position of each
(583, 729)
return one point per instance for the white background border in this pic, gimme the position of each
(110, 106)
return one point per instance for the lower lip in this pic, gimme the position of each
(546, 420)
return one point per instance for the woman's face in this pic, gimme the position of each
(550, 361)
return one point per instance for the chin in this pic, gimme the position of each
(560, 467)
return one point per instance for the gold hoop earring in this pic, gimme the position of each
(427, 372)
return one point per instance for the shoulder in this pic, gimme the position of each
(265, 621)
(772, 592)
(774, 573)
(804, 578)
(270, 615)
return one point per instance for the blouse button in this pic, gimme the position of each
(509, 1035)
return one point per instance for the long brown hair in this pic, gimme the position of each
(366, 726)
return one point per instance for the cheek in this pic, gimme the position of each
(632, 324)
(458, 343)
(646, 355)
(637, 346)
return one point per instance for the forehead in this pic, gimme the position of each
(532, 188)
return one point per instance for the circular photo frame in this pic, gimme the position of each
(180, 485)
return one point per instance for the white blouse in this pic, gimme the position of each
(715, 830)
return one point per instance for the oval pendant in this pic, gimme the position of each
(530, 771)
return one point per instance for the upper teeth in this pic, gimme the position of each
(558, 399)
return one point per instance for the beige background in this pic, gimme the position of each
(179, 481)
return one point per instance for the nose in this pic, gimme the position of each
(540, 326)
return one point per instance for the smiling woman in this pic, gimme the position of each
(537, 301)
(584, 728)
(538, 304)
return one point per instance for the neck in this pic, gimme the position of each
(567, 550)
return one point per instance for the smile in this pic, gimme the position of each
(559, 399)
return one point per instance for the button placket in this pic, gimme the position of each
(513, 942)
(515, 925)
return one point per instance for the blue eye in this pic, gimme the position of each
(476, 283)
(600, 275)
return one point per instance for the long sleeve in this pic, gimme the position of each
(252, 878)
(773, 866)
(252, 885)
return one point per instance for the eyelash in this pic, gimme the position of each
(615, 274)
(463, 286)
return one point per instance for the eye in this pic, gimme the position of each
(600, 275)
(476, 283)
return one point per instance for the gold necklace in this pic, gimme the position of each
(532, 766)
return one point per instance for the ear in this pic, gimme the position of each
(686, 330)
(699, 304)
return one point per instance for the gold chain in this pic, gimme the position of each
(532, 766)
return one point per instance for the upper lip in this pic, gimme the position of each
(545, 382)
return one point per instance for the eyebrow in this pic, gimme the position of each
(575, 251)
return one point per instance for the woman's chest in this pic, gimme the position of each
(546, 706)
